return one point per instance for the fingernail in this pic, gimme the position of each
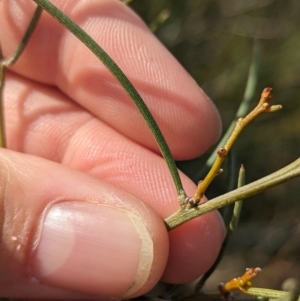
(94, 249)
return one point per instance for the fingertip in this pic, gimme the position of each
(84, 246)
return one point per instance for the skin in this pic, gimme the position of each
(72, 132)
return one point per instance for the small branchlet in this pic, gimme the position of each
(290, 288)
(241, 283)
(230, 228)
(262, 107)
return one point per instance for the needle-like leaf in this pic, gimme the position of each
(124, 81)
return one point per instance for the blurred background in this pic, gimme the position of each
(214, 40)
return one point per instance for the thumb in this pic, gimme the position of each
(68, 235)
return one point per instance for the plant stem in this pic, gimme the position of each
(163, 15)
(2, 123)
(243, 108)
(282, 175)
(266, 293)
(231, 227)
(126, 84)
(263, 106)
(32, 25)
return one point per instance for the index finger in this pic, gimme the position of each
(187, 118)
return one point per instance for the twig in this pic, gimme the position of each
(8, 62)
(125, 83)
(2, 122)
(243, 108)
(282, 175)
(263, 106)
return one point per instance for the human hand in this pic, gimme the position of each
(84, 189)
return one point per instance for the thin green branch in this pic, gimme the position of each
(267, 293)
(282, 175)
(231, 227)
(126, 84)
(243, 108)
(232, 174)
(32, 25)
(126, 1)
(238, 205)
(8, 62)
(263, 106)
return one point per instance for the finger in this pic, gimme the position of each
(68, 235)
(37, 115)
(55, 56)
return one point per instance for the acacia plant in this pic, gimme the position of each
(189, 207)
